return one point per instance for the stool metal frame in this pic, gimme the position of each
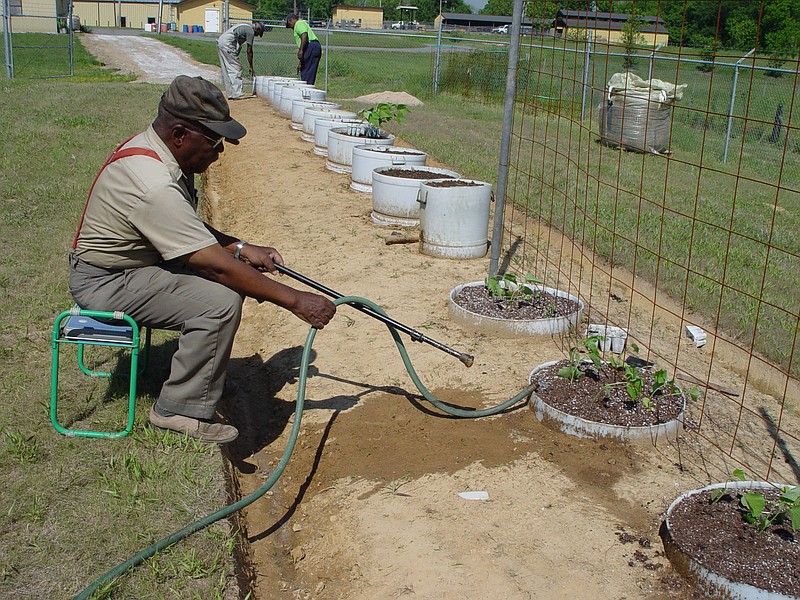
(109, 332)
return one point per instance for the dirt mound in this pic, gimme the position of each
(392, 97)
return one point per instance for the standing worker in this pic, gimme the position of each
(309, 50)
(229, 44)
(141, 249)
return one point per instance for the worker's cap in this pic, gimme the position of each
(195, 99)
(290, 17)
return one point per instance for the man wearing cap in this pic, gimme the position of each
(141, 249)
(309, 50)
(229, 45)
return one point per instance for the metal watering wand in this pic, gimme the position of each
(370, 308)
(381, 316)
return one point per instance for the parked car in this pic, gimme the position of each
(502, 29)
(398, 25)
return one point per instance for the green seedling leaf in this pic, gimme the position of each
(754, 503)
(794, 518)
(646, 403)
(570, 372)
(791, 495)
(739, 474)
(717, 494)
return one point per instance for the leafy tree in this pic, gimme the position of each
(631, 38)
(503, 8)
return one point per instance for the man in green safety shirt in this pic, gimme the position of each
(309, 50)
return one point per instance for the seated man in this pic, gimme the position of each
(141, 249)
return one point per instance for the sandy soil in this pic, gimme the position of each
(368, 506)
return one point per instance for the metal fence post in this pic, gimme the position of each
(652, 56)
(733, 99)
(505, 139)
(71, 30)
(9, 53)
(586, 61)
(437, 62)
(327, 48)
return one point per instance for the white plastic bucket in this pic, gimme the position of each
(394, 199)
(275, 81)
(454, 221)
(342, 140)
(299, 107)
(284, 86)
(368, 157)
(310, 117)
(322, 128)
(300, 92)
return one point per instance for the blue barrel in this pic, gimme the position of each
(185, 29)
(194, 28)
(199, 29)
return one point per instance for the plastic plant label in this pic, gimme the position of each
(474, 495)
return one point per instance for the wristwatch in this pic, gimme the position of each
(237, 253)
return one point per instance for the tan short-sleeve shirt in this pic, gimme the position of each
(141, 211)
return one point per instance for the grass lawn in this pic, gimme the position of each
(73, 508)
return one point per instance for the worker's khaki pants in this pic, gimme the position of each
(170, 296)
(231, 69)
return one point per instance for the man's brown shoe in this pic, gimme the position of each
(217, 433)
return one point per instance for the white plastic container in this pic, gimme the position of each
(299, 107)
(394, 199)
(275, 81)
(342, 140)
(454, 220)
(278, 90)
(310, 117)
(367, 157)
(322, 128)
(291, 93)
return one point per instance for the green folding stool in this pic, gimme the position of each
(97, 328)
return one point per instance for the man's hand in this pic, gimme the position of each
(262, 258)
(314, 309)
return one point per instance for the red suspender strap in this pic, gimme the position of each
(115, 156)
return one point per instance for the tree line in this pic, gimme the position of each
(771, 26)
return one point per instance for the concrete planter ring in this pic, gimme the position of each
(323, 127)
(585, 428)
(515, 327)
(695, 558)
(310, 116)
(342, 140)
(395, 191)
(366, 158)
(299, 108)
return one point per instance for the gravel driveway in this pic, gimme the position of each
(151, 60)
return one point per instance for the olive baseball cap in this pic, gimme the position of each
(198, 100)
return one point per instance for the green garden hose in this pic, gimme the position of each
(301, 393)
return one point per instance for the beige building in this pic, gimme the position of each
(40, 16)
(137, 14)
(608, 27)
(357, 17)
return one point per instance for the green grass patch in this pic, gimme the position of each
(73, 508)
(44, 55)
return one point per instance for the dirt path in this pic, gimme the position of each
(151, 60)
(368, 506)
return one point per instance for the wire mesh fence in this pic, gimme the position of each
(700, 231)
(693, 225)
